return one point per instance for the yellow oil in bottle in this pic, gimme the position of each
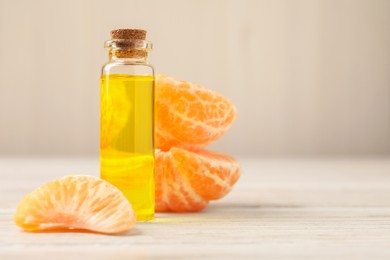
(126, 138)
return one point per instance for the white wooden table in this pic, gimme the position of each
(280, 209)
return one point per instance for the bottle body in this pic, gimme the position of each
(126, 131)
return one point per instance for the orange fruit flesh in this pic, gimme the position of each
(189, 115)
(75, 203)
(186, 180)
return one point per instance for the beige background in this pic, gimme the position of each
(308, 77)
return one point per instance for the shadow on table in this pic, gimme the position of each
(222, 212)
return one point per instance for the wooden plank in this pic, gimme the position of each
(296, 209)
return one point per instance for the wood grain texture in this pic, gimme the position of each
(280, 209)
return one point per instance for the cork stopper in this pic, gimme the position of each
(126, 40)
(135, 34)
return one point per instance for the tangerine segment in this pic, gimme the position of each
(75, 203)
(188, 114)
(186, 180)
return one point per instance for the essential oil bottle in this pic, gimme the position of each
(127, 118)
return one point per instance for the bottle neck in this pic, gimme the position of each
(138, 56)
(128, 50)
(127, 55)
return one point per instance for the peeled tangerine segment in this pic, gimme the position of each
(186, 180)
(188, 114)
(76, 203)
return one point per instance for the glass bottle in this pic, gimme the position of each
(127, 119)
